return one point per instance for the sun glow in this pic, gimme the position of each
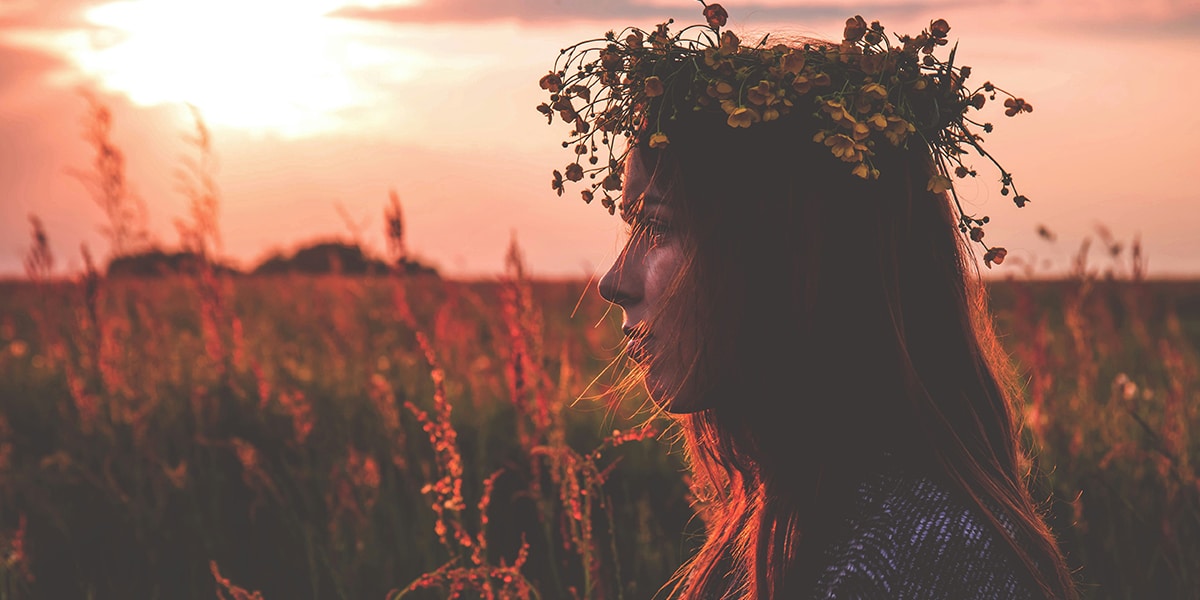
(278, 66)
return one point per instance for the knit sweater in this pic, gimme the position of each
(908, 537)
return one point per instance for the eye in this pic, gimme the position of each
(656, 229)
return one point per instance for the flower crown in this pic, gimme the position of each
(863, 92)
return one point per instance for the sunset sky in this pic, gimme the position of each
(321, 104)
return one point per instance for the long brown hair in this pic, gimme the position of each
(852, 303)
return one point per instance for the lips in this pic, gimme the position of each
(637, 347)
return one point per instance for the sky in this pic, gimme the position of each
(319, 107)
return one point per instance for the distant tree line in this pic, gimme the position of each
(328, 257)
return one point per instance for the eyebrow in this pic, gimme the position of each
(646, 200)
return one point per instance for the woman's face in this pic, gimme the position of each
(638, 281)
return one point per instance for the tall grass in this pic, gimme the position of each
(421, 438)
(1112, 402)
(412, 437)
(322, 437)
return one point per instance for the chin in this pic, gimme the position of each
(679, 401)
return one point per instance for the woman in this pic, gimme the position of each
(797, 296)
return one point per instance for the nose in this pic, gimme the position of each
(622, 284)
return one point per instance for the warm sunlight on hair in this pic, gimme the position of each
(279, 66)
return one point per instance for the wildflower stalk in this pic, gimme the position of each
(125, 211)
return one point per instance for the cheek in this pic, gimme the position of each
(662, 264)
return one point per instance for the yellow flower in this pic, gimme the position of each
(938, 184)
(878, 121)
(862, 170)
(861, 131)
(654, 86)
(897, 130)
(743, 117)
(770, 114)
(849, 52)
(716, 59)
(844, 147)
(720, 89)
(820, 136)
(661, 38)
(658, 140)
(872, 64)
(802, 84)
(761, 94)
(792, 62)
(874, 91)
(809, 80)
(729, 42)
(837, 111)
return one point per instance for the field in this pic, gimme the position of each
(375, 437)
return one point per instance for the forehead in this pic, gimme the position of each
(644, 186)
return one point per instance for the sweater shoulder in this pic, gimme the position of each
(907, 536)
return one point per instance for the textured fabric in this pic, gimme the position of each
(907, 537)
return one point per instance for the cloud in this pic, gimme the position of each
(1141, 17)
(22, 67)
(550, 11)
(41, 14)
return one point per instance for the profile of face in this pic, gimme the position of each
(638, 282)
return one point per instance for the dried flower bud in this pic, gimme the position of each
(856, 27)
(994, 255)
(939, 28)
(1016, 105)
(653, 86)
(551, 81)
(556, 184)
(716, 16)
